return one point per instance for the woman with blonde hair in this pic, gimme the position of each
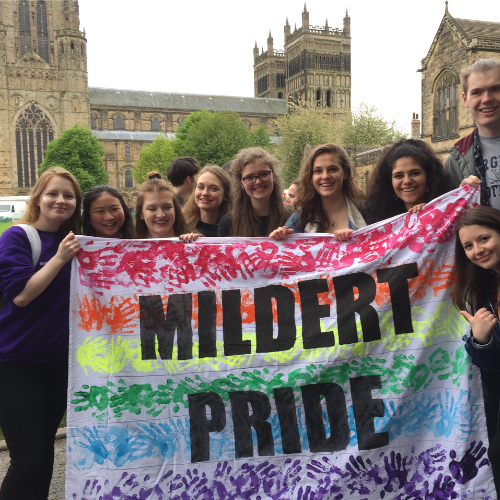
(35, 268)
(327, 198)
(210, 200)
(256, 195)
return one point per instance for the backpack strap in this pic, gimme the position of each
(35, 242)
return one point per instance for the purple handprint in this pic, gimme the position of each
(442, 490)
(397, 471)
(466, 469)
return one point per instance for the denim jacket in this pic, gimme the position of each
(486, 356)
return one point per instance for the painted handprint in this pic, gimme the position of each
(466, 469)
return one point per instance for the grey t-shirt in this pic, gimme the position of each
(490, 150)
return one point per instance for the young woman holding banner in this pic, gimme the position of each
(256, 196)
(477, 296)
(406, 177)
(327, 196)
(35, 330)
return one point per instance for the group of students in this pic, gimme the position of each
(244, 201)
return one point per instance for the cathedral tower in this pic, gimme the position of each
(315, 65)
(43, 84)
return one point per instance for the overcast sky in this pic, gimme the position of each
(206, 46)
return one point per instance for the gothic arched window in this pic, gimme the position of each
(329, 98)
(118, 123)
(446, 106)
(155, 124)
(42, 30)
(34, 131)
(127, 151)
(24, 27)
(129, 182)
(92, 122)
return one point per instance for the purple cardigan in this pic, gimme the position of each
(38, 332)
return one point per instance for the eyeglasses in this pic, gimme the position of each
(250, 180)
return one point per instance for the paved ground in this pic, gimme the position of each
(57, 486)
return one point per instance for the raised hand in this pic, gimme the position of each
(482, 324)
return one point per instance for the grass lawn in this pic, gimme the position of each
(4, 226)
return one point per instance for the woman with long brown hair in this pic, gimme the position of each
(327, 198)
(256, 195)
(477, 296)
(210, 201)
(35, 272)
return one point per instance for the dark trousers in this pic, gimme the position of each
(32, 405)
(491, 395)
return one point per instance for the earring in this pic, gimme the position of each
(395, 196)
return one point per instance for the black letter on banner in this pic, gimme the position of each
(232, 330)
(287, 332)
(347, 306)
(337, 416)
(285, 406)
(243, 422)
(200, 426)
(398, 277)
(207, 312)
(365, 409)
(312, 335)
(153, 323)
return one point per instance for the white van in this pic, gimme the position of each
(12, 208)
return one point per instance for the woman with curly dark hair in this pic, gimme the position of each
(327, 198)
(407, 177)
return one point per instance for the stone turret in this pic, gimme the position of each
(287, 29)
(347, 24)
(270, 48)
(255, 52)
(305, 18)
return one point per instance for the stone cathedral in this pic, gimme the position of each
(44, 91)
(314, 66)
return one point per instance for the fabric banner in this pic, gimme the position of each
(245, 368)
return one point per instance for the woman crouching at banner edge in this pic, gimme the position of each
(35, 330)
(210, 200)
(407, 176)
(327, 197)
(157, 213)
(476, 295)
(256, 195)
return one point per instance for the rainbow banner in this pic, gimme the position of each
(244, 368)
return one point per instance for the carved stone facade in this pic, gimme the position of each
(44, 90)
(457, 43)
(314, 66)
(43, 84)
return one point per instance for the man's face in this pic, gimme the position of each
(483, 101)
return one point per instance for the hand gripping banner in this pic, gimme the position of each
(245, 368)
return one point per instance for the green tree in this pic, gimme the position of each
(183, 129)
(305, 124)
(79, 152)
(217, 137)
(368, 128)
(261, 138)
(155, 156)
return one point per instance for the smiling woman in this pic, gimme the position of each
(210, 201)
(408, 176)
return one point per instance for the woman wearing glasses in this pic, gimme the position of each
(256, 196)
(327, 198)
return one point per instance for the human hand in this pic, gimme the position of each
(281, 233)
(482, 324)
(472, 180)
(68, 248)
(189, 237)
(416, 208)
(343, 234)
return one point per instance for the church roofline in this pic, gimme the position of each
(120, 98)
